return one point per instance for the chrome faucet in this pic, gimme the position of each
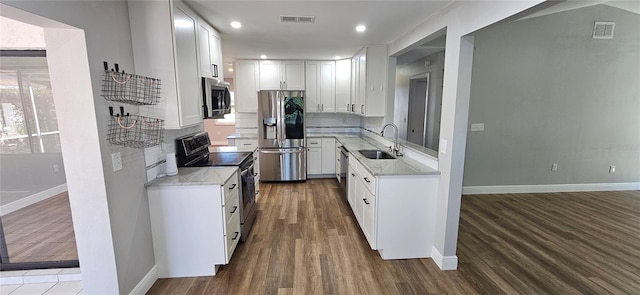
(395, 148)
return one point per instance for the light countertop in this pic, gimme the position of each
(195, 176)
(383, 167)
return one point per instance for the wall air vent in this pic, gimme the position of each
(603, 30)
(297, 19)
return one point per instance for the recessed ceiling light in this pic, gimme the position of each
(230, 70)
(263, 56)
(361, 28)
(337, 57)
(236, 25)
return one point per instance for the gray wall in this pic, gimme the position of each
(108, 38)
(29, 174)
(403, 74)
(549, 93)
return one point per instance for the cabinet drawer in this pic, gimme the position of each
(230, 188)
(233, 234)
(368, 179)
(314, 142)
(246, 143)
(232, 205)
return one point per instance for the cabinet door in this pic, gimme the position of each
(312, 77)
(352, 179)
(246, 82)
(270, 75)
(368, 217)
(355, 79)
(314, 161)
(327, 86)
(376, 78)
(205, 46)
(216, 54)
(359, 200)
(343, 86)
(328, 156)
(293, 74)
(362, 83)
(188, 76)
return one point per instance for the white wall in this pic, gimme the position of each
(549, 93)
(459, 19)
(23, 175)
(110, 210)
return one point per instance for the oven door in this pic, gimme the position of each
(248, 213)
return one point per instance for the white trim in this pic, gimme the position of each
(549, 188)
(446, 262)
(32, 199)
(147, 281)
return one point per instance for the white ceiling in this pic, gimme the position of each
(332, 34)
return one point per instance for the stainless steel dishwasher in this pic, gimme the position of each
(344, 170)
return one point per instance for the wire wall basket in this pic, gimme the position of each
(135, 131)
(129, 88)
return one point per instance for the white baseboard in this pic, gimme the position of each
(32, 199)
(549, 188)
(147, 281)
(444, 262)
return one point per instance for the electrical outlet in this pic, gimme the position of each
(554, 167)
(612, 169)
(56, 168)
(116, 160)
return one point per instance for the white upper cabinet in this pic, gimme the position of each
(247, 75)
(210, 52)
(369, 79)
(165, 46)
(282, 75)
(343, 86)
(320, 86)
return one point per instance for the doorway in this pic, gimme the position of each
(36, 230)
(418, 106)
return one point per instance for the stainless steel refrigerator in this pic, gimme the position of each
(281, 136)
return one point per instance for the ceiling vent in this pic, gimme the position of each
(603, 30)
(297, 19)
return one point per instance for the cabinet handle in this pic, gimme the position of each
(353, 106)
(362, 109)
(348, 107)
(236, 236)
(318, 107)
(233, 186)
(246, 144)
(353, 174)
(285, 85)
(322, 107)
(367, 180)
(365, 201)
(235, 208)
(255, 174)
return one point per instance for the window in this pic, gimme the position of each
(28, 122)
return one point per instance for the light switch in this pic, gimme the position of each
(116, 160)
(477, 127)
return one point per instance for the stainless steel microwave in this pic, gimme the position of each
(216, 98)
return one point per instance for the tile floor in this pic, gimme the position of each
(66, 281)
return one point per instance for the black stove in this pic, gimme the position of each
(193, 151)
(222, 159)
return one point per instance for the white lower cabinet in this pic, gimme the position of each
(395, 212)
(194, 227)
(321, 156)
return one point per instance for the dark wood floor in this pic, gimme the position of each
(306, 241)
(41, 232)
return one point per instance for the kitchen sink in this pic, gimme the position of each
(376, 154)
